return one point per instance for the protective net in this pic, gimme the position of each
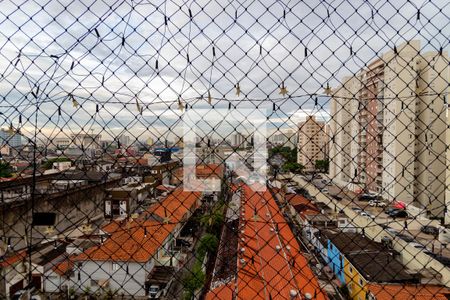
(224, 149)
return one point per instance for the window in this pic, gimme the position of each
(351, 270)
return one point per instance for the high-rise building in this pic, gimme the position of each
(284, 138)
(388, 124)
(312, 139)
(11, 138)
(238, 140)
(124, 140)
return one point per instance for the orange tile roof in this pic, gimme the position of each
(139, 239)
(175, 205)
(268, 272)
(65, 266)
(112, 226)
(204, 171)
(302, 205)
(408, 292)
(136, 241)
(17, 257)
(223, 292)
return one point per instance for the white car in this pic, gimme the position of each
(365, 214)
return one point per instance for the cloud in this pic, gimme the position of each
(108, 56)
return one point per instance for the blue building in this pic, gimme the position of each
(13, 140)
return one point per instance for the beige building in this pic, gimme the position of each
(392, 133)
(86, 140)
(343, 148)
(312, 140)
(447, 191)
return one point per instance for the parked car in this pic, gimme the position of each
(428, 229)
(406, 238)
(366, 214)
(377, 203)
(389, 210)
(398, 213)
(392, 231)
(337, 197)
(417, 245)
(357, 209)
(442, 259)
(365, 197)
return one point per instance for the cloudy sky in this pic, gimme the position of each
(119, 57)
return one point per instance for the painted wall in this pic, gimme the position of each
(336, 261)
(127, 281)
(355, 282)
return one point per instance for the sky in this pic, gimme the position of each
(128, 64)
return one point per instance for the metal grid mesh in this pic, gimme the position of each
(319, 131)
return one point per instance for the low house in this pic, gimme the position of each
(362, 265)
(126, 261)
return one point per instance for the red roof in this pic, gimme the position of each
(302, 205)
(273, 263)
(408, 292)
(224, 292)
(65, 266)
(17, 257)
(136, 241)
(139, 239)
(204, 171)
(175, 205)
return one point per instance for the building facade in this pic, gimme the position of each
(312, 139)
(388, 125)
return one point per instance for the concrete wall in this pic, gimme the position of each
(128, 283)
(71, 208)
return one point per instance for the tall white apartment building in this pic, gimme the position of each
(392, 134)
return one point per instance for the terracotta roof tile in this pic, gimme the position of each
(10, 260)
(408, 292)
(139, 239)
(273, 262)
(136, 241)
(65, 266)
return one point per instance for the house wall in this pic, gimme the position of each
(128, 283)
(53, 282)
(355, 281)
(336, 261)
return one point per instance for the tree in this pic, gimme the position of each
(5, 170)
(293, 167)
(289, 154)
(322, 165)
(208, 243)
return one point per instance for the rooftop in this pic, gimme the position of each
(270, 262)
(373, 260)
(409, 292)
(138, 239)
